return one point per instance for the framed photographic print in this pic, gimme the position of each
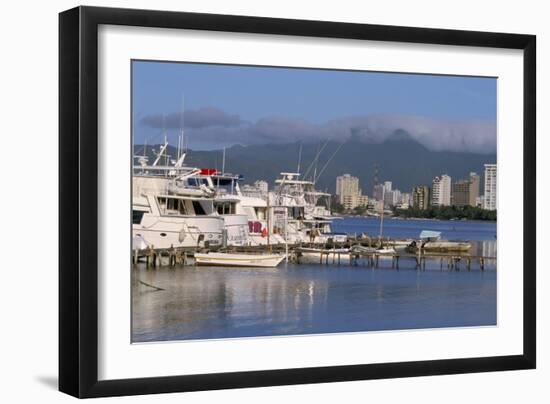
(251, 201)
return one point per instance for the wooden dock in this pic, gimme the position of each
(327, 256)
(449, 261)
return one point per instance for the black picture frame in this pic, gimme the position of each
(78, 196)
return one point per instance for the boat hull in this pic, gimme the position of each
(238, 260)
(313, 255)
(179, 232)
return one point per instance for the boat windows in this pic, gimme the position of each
(296, 212)
(137, 216)
(225, 185)
(226, 208)
(197, 182)
(261, 213)
(172, 206)
(199, 210)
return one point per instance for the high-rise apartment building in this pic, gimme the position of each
(465, 192)
(441, 191)
(346, 185)
(378, 192)
(490, 189)
(474, 188)
(421, 197)
(392, 198)
(349, 193)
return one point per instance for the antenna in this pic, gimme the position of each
(182, 123)
(299, 158)
(166, 160)
(223, 161)
(165, 137)
(316, 161)
(328, 161)
(319, 151)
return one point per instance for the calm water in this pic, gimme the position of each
(398, 228)
(215, 302)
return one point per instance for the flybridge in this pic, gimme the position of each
(292, 178)
(215, 173)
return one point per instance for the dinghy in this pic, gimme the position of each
(238, 260)
(313, 255)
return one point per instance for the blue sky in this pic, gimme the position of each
(228, 104)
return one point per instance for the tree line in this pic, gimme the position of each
(447, 213)
(433, 212)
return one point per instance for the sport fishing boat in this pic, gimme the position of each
(306, 219)
(250, 212)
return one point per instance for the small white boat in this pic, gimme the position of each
(386, 250)
(239, 260)
(362, 249)
(313, 255)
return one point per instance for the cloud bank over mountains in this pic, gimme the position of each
(211, 125)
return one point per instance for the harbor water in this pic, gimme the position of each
(292, 299)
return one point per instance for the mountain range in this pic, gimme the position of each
(399, 158)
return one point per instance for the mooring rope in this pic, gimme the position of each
(148, 284)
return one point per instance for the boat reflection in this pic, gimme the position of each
(247, 301)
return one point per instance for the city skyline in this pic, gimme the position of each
(443, 192)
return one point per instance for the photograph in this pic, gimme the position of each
(272, 201)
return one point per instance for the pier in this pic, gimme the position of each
(327, 255)
(374, 260)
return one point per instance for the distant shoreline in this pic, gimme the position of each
(413, 218)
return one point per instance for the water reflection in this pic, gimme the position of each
(214, 302)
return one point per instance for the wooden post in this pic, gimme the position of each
(397, 262)
(468, 263)
(171, 256)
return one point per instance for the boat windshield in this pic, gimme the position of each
(172, 206)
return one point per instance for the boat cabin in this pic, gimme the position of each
(172, 205)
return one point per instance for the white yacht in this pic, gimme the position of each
(183, 194)
(306, 220)
(165, 214)
(226, 204)
(248, 212)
